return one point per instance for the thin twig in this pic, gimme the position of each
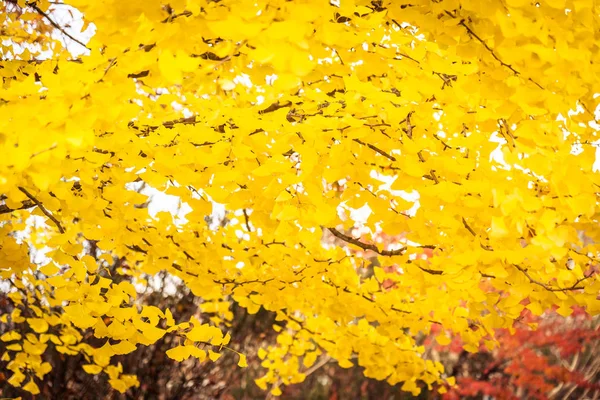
(365, 246)
(407, 57)
(340, 57)
(43, 151)
(464, 221)
(483, 246)
(490, 50)
(371, 300)
(113, 62)
(247, 220)
(324, 360)
(409, 126)
(550, 288)
(43, 209)
(375, 149)
(4, 209)
(434, 176)
(372, 247)
(54, 24)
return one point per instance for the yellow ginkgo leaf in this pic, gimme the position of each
(180, 353)
(10, 336)
(242, 361)
(213, 356)
(92, 369)
(31, 387)
(39, 325)
(443, 339)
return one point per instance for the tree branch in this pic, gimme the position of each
(4, 209)
(487, 47)
(43, 209)
(490, 50)
(247, 220)
(548, 287)
(375, 149)
(373, 248)
(54, 24)
(365, 246)
(275, 106)
(371, 300)
(483, 246)
(464, 221)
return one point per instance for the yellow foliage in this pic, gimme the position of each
(469, 130)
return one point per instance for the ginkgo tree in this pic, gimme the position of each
(468, 126)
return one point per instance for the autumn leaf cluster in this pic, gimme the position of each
(466, 126)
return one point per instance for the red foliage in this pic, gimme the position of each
(558, 359)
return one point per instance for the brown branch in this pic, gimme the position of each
(409, 126)
(112, 63)
(185, 121)
(42, 209)
(487, 47)
(434, 176)
(275, 106)
(138, 75)
(239, 284)
(178, 268)
(371, 300)
(54, 24)
(43, 151)
(204, 144)
(373, 248)
(303, 327)
(23, 291)
(397, 24)
(364, 246)
(585, 107)
(464, 221)
(483, 246)
(172, 17)
(407, 57)
(340, 57)
(377, 150)
(548, 287)
(136, 248)
(256, 131)
(447, 79)
(4, 209)
(490, 50)
(324, 360)
(247, 220)
(377, 125)
(446, 146)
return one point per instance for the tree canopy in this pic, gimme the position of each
(465, 129)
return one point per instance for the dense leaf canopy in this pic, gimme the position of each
(465, 129)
